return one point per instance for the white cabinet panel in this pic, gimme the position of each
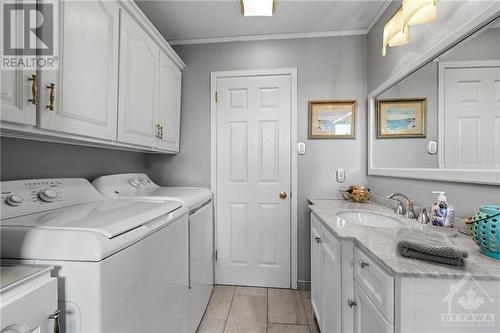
(367, 319)
(315, 268)
(138, 84)
(15, 94)
(87, 80)
(169, 104)
(331, 283)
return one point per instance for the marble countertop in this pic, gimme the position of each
(380, 243)
(11, 275)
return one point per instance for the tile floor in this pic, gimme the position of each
(248, 309)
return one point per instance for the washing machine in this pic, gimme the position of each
(121, 265)
(198, 201)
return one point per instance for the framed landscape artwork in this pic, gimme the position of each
(401, 118)
(332, 119)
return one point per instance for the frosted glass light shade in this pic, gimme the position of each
(257, 7)
(419, 11)
(395, 32)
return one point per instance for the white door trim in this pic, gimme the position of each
(443, 65)
(292, 72)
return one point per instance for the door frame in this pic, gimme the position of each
(292, 72)
(442, 67)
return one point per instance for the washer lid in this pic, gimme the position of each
(110, 218)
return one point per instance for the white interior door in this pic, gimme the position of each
(472, 117)
(253, 166)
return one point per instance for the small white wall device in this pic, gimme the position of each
(340, 175)
(432, 147)
(301, 148)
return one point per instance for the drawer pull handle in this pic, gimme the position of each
(52, 96)
(318, 240)
(55, 316)
(351, 303)
(363, 264)
(34, 90)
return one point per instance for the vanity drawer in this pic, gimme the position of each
(376, 283)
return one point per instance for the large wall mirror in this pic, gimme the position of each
(442, 121)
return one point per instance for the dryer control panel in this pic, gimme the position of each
(125, 185)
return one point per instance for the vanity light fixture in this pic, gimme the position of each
(257, 7)
(395, 32)
(419, 11)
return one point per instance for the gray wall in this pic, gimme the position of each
(24, 159)
(452, 14)
(328, 68)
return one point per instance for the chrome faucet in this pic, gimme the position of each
(407, 211)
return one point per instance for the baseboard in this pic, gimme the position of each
(303, 285)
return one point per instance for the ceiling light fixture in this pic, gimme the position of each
(419, 11)
(395, 32)
(257, 7)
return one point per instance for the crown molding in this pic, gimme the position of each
(377, 15)
(247, 38)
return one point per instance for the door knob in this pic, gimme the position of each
(283, 195)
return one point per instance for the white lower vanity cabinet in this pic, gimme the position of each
(325, 278)
(352, 292)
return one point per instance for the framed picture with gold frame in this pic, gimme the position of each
(401, 118)
(332, 119)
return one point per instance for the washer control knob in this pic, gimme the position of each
(135, 182)
(14, 200)
(47, 195)
(144, 181)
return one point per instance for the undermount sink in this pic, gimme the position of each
(369, 219)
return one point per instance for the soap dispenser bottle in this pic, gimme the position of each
(442, 213)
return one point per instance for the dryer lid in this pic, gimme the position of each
(109, 218)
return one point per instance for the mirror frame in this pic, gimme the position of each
(487, 176)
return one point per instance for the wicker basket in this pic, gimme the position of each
(356, 193)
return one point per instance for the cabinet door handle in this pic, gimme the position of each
(351, 303)
(34, 89)
(318, 240)
(52, 97)
(161, 132)
(363, 264)
(55, 316)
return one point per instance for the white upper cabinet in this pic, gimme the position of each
(117, 84)
(138, 84)
(85, 86)
(169, 104)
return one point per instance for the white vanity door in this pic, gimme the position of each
(138, 84)
(316, 268)
(85, 86)
(331, 283)
(367, 319)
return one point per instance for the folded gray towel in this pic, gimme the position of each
(430, 246)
